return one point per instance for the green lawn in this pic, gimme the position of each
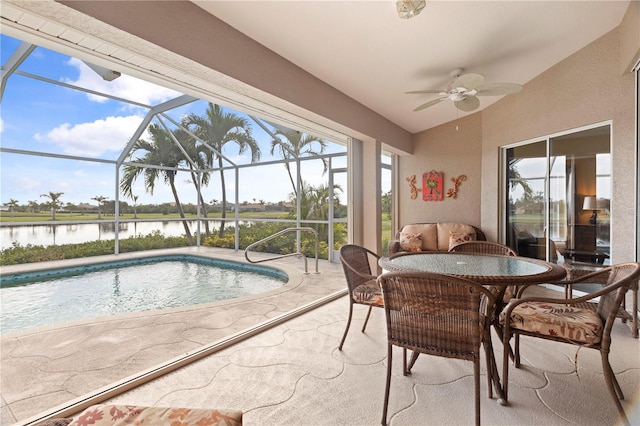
(5, 217)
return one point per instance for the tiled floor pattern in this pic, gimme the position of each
(294, 374)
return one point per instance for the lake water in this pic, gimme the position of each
(47, 234)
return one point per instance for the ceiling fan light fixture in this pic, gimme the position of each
(410, 8)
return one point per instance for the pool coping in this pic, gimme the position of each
(19, 278)
(294, 280)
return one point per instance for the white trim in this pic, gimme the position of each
(561, 133)
(636, 70)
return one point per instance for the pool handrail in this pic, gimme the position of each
(297, 253)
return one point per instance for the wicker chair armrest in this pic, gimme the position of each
(578, 275)
(586, 298)
(360, 274)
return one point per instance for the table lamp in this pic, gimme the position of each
(590, 204)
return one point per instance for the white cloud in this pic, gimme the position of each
(26, 183)
(94, 138)
(125, 86)
(1, 125)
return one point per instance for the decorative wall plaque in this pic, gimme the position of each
(457, 181)
(432, 186)
(412, 187)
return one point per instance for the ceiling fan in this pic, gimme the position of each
(464, 90)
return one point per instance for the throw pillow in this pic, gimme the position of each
(410, 241)
(456, 238)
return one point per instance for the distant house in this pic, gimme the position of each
(252, 207)
(87, 207)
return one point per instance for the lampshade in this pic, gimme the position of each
(410, 8)
(589, 203)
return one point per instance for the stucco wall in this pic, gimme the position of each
(584, 89)
(454, 152)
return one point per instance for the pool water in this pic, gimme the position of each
(130, 288)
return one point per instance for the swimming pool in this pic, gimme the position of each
(58, 295)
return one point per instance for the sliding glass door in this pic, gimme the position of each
(558, 197)
(526, 198)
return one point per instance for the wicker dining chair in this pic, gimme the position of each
(570, 321)
(361, 282)
(488, 247)
(439, 315)
(483, 247)
(574, 273)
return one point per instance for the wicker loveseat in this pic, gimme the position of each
(433, 236)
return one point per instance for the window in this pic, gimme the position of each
(558, 197)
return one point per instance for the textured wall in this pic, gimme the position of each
(584, 89)
(454, 152)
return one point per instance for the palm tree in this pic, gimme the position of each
(218, 128)
(161, 150)
(12, 204)
(54, 202)
(198, 163)
(516, 179)
(33, 205)
(319, 201)
(100, 199)
(296, 145)
(135, 206)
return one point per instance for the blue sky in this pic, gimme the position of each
(43, 117)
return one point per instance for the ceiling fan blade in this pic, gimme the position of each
(430, 103)
(420, 92)
(467, 104)
(469, 81)
(498, 89)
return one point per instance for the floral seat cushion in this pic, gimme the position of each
(576, 323)
(121, 415)
(368, 293)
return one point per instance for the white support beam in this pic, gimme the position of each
(22, 52)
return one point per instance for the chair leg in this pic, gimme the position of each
(491, 366)
(516, 354)
(500, 331)
(476, 383)
(613, 386)
(505, 367)
(346, 330)
(634, 313)
(366, 320)
(388, 385)
(414, 358)
(608, 371)
(404, 362)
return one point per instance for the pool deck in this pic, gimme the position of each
(48, 366)
(293, 373)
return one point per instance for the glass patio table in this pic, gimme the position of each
(487, 269)
(491, 270)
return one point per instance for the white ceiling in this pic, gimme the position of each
(365, 50)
